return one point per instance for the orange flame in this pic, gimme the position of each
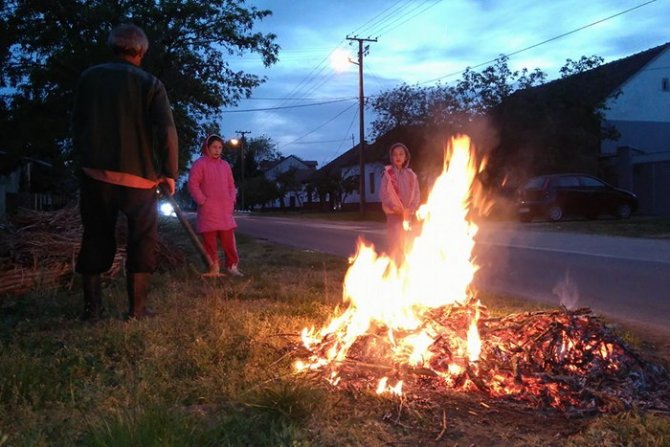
(436, 271)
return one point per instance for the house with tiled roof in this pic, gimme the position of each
(296, 196)
(629, 142)
(641, 115)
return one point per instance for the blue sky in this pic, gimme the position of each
(418, 42)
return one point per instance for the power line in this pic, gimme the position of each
(317, 128)
(388, 27)
(381, 18)
(337, 151)
(295, 99)
(384, 18)
(263, 109)
(544, 41)
(321, 66)
(318, 142)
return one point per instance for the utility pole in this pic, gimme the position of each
(361, 124)
(242, 142)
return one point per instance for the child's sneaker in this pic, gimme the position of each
(233, 270)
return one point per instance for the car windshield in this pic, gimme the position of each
(591, 182)
(535, 183)
(567, 182)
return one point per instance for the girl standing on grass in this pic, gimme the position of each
(212, 186)
(399, 193)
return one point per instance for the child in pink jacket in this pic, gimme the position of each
(399, 194)
(212, 186)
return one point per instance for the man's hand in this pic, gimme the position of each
(168, 185)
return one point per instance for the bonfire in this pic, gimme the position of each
(417, 327)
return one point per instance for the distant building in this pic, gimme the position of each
(635, 92)
(640, 157)
(292, 173)
(16, 186)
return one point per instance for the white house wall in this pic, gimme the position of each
(641, 113)
(283, 166)
(371, 190)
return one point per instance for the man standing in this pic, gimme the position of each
(126, 141)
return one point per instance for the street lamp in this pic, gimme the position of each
(235, 142)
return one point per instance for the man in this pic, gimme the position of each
(126, 141)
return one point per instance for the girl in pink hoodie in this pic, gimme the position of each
(212, 186)
(399, 194)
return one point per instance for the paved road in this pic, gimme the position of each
(628, 278)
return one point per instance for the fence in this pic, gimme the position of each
(36, 201)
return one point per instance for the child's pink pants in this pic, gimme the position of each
(227, 238)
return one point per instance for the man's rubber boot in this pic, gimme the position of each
(138, 289)
(92, 286)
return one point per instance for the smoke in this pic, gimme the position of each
(567, 292)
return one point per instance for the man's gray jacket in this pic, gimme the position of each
(122, 122)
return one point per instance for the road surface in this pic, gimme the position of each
(626, 278)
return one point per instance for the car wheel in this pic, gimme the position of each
(624, 211)
(555, 213)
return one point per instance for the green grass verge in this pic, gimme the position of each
(646, 227)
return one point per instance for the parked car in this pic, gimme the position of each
(555, 196)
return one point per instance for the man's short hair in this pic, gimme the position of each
(128, 40)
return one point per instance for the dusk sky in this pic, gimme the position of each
(418, 42)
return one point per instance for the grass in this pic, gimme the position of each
(214, 369)
(646, 227)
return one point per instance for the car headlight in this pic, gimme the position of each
(167, 209)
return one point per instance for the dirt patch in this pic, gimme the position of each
(473, 419)
(430, 418)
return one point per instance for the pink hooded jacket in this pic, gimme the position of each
(399, 189)
(212, 186)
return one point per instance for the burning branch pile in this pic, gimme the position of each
(408, 328)
(568, 360)
(39, 248)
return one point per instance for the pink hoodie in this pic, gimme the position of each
(212, 186)
(399, 189)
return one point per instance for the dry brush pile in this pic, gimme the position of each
(39, 249)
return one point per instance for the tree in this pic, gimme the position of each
(451, 107)
(257, 152)
(349, 185)
(260, 191)
(46, 45)
(584, 63)
(400, 106)
(328, 184)
(555, 127)
(287, 182)
(540, 127)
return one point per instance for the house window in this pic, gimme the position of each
(372, 182)
(665, 85)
